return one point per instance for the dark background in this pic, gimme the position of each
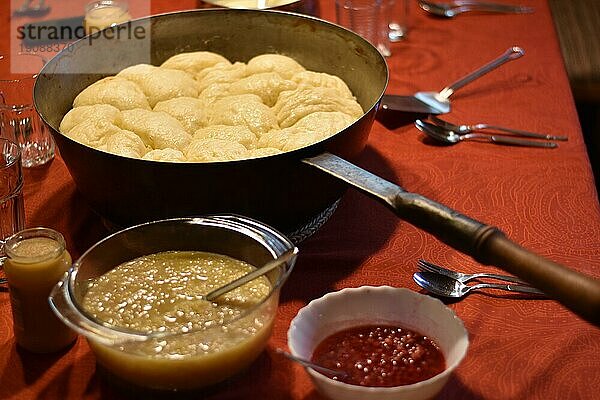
(578, 27)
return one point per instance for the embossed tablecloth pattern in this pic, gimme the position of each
(543, 199)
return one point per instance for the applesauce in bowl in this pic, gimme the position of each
(138, 298)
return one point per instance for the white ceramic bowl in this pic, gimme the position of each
(368, 305)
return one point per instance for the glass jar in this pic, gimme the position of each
(36, 261)
(104, 13)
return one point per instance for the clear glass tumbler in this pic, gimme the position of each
(12, 211)
(399, 12)
(368, 18)
(20, 122)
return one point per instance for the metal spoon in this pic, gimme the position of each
(446, 286)
(481, 126)
(324, 370)
(449, 137)
(285, 257)
(452, 9)
(439, 102)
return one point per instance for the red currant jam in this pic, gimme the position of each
(380, 356)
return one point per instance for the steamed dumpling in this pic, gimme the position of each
(239, 134)
(283, 65)
(92, 112)
(221, 74)
(93, 133)
(118, 92)
(194, 62)
(159, 84)
(294, 105)
(209, 150)
(325, 123)
(288, 139)
(214, 92)
(276, 138)
(321, 79)
(246, 110)
(189, 111)
(308, 130)
(301, 139)
(168, 155)
(158, 130)
(127, 144)
(266, 85)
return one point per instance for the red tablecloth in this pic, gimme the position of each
(543, 199)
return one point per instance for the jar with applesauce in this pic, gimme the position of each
(104, 13)
(36, 261)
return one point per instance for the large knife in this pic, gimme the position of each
(486, 244)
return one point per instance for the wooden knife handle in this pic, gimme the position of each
(488, 245)
(578, 292)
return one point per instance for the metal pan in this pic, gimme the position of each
(272, 189)
(281, 190)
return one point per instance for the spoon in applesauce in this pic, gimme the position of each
(285, 257)
(305, 363)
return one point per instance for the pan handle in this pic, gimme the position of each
(486, 244)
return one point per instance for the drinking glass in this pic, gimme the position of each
(399, 12)
(368, 18)
(12, 212)
(20, 122)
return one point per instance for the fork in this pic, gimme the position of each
(442, 285)
(481, 126)
(463, 278)
(453, 8)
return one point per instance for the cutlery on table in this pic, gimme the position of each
(450, 137)
(481, 126)
(453, 8)
(464, 278)
(445, 286)
(439, 103)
